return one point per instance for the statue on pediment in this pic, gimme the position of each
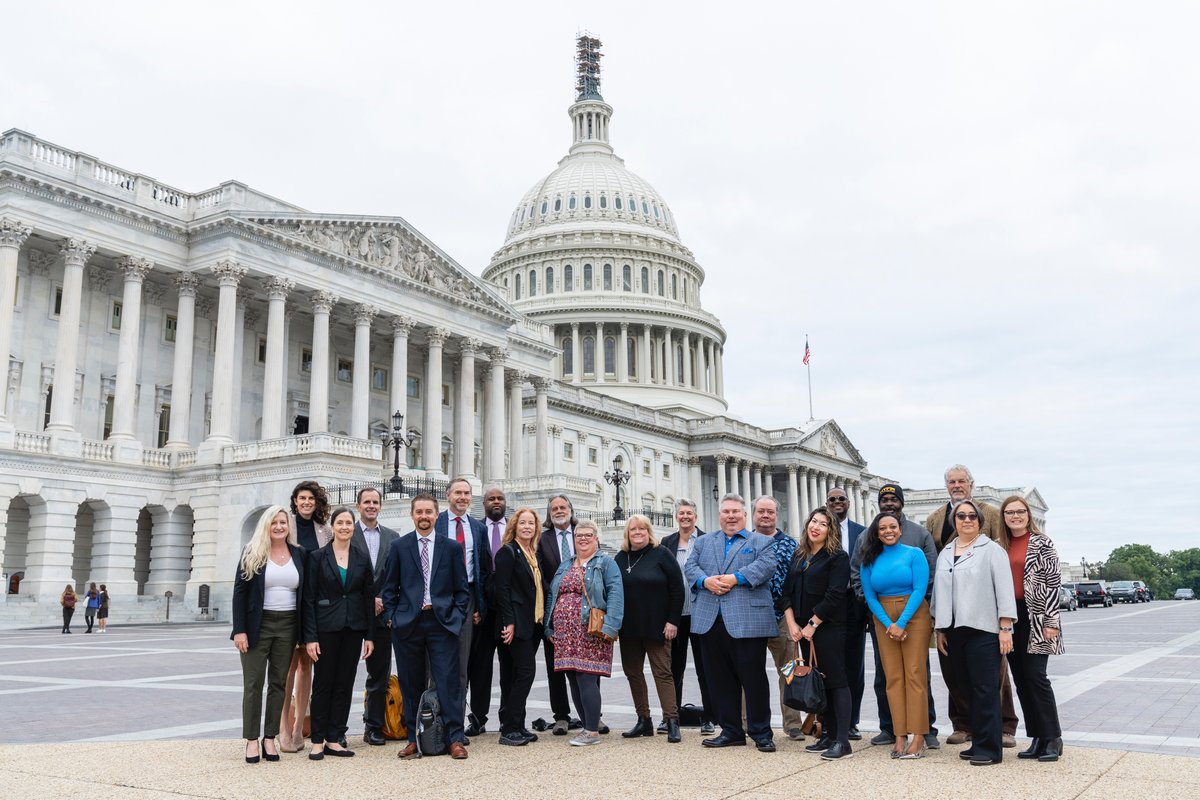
(828, 443)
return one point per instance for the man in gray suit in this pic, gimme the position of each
(730, 577)
(376, 540)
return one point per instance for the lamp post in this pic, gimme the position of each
(397, 439)
(618, 478)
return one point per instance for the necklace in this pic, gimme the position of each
(281, 559)
(632, 564)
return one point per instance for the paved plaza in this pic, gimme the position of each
(1128, 686)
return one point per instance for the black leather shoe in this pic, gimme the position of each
(1035, 749)
(317, 756)
(262, 748)
(603, 729)
(1052, 750)
(820, 746)
(854, 734)
(836, 751)
(725, 740)
(708, 729)
(983, 762)
(513, 739)
(474, 726)
(339, 753)
(644, 727)
(374, 737)
(342, 741)
(966, 755)
(574, 725)
(765, 745)
(530, 736)
(673, 735)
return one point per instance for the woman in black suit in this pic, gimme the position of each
(339, 621)
(814, 605)
(266, 624)
(520, 602)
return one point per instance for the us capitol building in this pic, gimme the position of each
(178, 361)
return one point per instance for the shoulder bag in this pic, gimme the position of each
(804, 686)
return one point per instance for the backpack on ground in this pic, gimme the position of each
(431, 733)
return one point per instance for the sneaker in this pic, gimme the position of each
(662, 727)
(883, 737)
(931, 742)
(560, 727)
(854, 734)
(958, 737)
(584, 739)
(795, 734)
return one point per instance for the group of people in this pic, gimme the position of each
(95, 607)
(317, 591)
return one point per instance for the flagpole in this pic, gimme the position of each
(808, 371)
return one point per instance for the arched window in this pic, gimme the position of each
(587, 201)
(568, 357)
(571, 203)
(626, 278)
(631, 356)
(603, 201)
(645, 280)
(645, 208)
(617, 200)
(610, 355)
(533, 283)
(550, 280)
(674, 286)
(545, 205)
(517, 286)
(608, 277)
(661, 286)
(632, 204)
(589, 355)
(587, 277)
(558, 204)
(656, 210)
(568, 278)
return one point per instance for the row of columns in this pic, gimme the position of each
(656, 363)
(807, 488)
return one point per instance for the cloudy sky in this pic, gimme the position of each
(984, 216)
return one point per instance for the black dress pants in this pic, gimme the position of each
(560, 700)
(333, 683)
(379, 670)
(975, 664)
(679, 651)
(1032, 684)
(855, 654)
(735, 667)
(480, 669)
(518, 666)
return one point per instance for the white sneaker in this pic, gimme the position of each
(584, 739)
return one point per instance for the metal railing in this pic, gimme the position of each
(347, 493)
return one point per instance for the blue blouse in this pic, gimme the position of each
(898, 571)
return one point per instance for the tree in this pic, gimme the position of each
(1184, 570)
(1140, 562)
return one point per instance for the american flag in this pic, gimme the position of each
(807, 352)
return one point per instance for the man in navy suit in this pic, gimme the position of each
(857, 616)
(471, 535)
(425, 600)
(730, 577)
(376, 540)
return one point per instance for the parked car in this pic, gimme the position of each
(1090, 593)
(1066, 598)
(1185, 594)
(1144, 593)
(1125, 592)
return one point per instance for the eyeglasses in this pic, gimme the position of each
(966, 515)
(1016, 512)
(838, 500)
(585, 536)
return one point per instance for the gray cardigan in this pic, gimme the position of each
(977, 591)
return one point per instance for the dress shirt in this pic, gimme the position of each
(729, 540)
(566, 548)
(495, 532)
(426, 600)
(372, 537)
(681, 554)
(845, 526)
(468, 542)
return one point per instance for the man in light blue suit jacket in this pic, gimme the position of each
(730, 578)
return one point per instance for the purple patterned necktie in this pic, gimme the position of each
(424, 540)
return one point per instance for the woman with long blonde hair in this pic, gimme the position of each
(520, 603)
(266, 625)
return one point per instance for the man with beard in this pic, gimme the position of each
(483, 644)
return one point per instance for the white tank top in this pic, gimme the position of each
(281, 584)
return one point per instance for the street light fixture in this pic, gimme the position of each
(618, 478)
(397, 439)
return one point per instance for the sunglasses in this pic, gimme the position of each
(966, 515)
(838, 500)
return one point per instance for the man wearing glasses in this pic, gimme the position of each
(940, 524)
(838, 502)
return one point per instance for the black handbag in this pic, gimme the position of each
(804, 686)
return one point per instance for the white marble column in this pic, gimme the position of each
(793, 501)
(494, 437)
(75, 253)
(687, 360)
(229, 274)
(747, 485)
(823, 486)
(599, 366)
(623, 354)
(12, 235)
(464, 412)
(360, 391)
(516, 425)
(719, 360)
(431, 437)
(318, 393)
(114, 543)
(815, 499)
(542, 453)
(51, 542)
(125, 397)
(694, 482)
(733, 479)
(179, 437)
(705, 361)
(244, 319)
(644, 367)
(274, 378)
(768, 481)
(170, 551)
(856, 504)
(722, 484)
(576, 355)
(670, 358)
(400, 329)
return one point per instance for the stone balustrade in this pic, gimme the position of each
(549, 483)
(308, 444)
(96, 451)
(32, 442)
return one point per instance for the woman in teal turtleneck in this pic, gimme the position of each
(894, 579)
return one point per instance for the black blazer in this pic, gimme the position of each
(386, 537)
(515, 592)
(482, 567)
(548, 550)
(404, 586)
(671, 541)
(248, 598)
(820, 589)
(329, 606)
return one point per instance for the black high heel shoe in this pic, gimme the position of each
(251, 759)
(262, 748)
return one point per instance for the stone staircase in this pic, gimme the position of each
(26, 612)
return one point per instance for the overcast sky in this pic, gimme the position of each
(985, 216)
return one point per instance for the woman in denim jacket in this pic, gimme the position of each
(591, 579)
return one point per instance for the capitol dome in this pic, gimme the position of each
(592, 251)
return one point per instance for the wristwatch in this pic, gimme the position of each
(814, 623)
(1006, 630)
